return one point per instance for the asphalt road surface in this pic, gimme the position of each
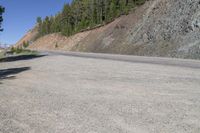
(97, 93)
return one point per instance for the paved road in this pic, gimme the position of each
(91, 93)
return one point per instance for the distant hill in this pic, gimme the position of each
(167, 28)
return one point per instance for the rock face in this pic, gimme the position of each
(169, 28)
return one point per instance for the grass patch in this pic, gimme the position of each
(15, 54)
(2, 54)
(20, 51)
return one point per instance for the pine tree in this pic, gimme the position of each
(113, 10)
(85, 14)
(2, 9)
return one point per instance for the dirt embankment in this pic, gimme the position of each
(28, 37)
(167, 28)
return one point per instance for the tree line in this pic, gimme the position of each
(84, 14)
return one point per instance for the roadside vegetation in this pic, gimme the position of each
(83, 15)
(25, 44)
(16, 51)
(2, 53)
(21, 51)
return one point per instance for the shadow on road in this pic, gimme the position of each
(10, 73)
(20, 57)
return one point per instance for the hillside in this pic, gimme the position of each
(28, 37)
(168, 28)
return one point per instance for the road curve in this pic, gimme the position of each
(131, 58)
(99, 93)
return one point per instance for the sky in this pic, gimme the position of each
(20, 16)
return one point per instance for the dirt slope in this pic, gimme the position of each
(57, 41)
(169, 28)
(28, 37)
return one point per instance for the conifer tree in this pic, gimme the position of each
(2, 9)
(85, 14)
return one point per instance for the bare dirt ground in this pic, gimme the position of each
(66, 94)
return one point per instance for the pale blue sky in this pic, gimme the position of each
(20, 16)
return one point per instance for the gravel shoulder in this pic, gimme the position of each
(62, 93)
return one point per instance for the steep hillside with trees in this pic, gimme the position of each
(83, 15)
(167, 28)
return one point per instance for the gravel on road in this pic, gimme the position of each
(66, 94)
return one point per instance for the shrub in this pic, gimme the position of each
(25, 44)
